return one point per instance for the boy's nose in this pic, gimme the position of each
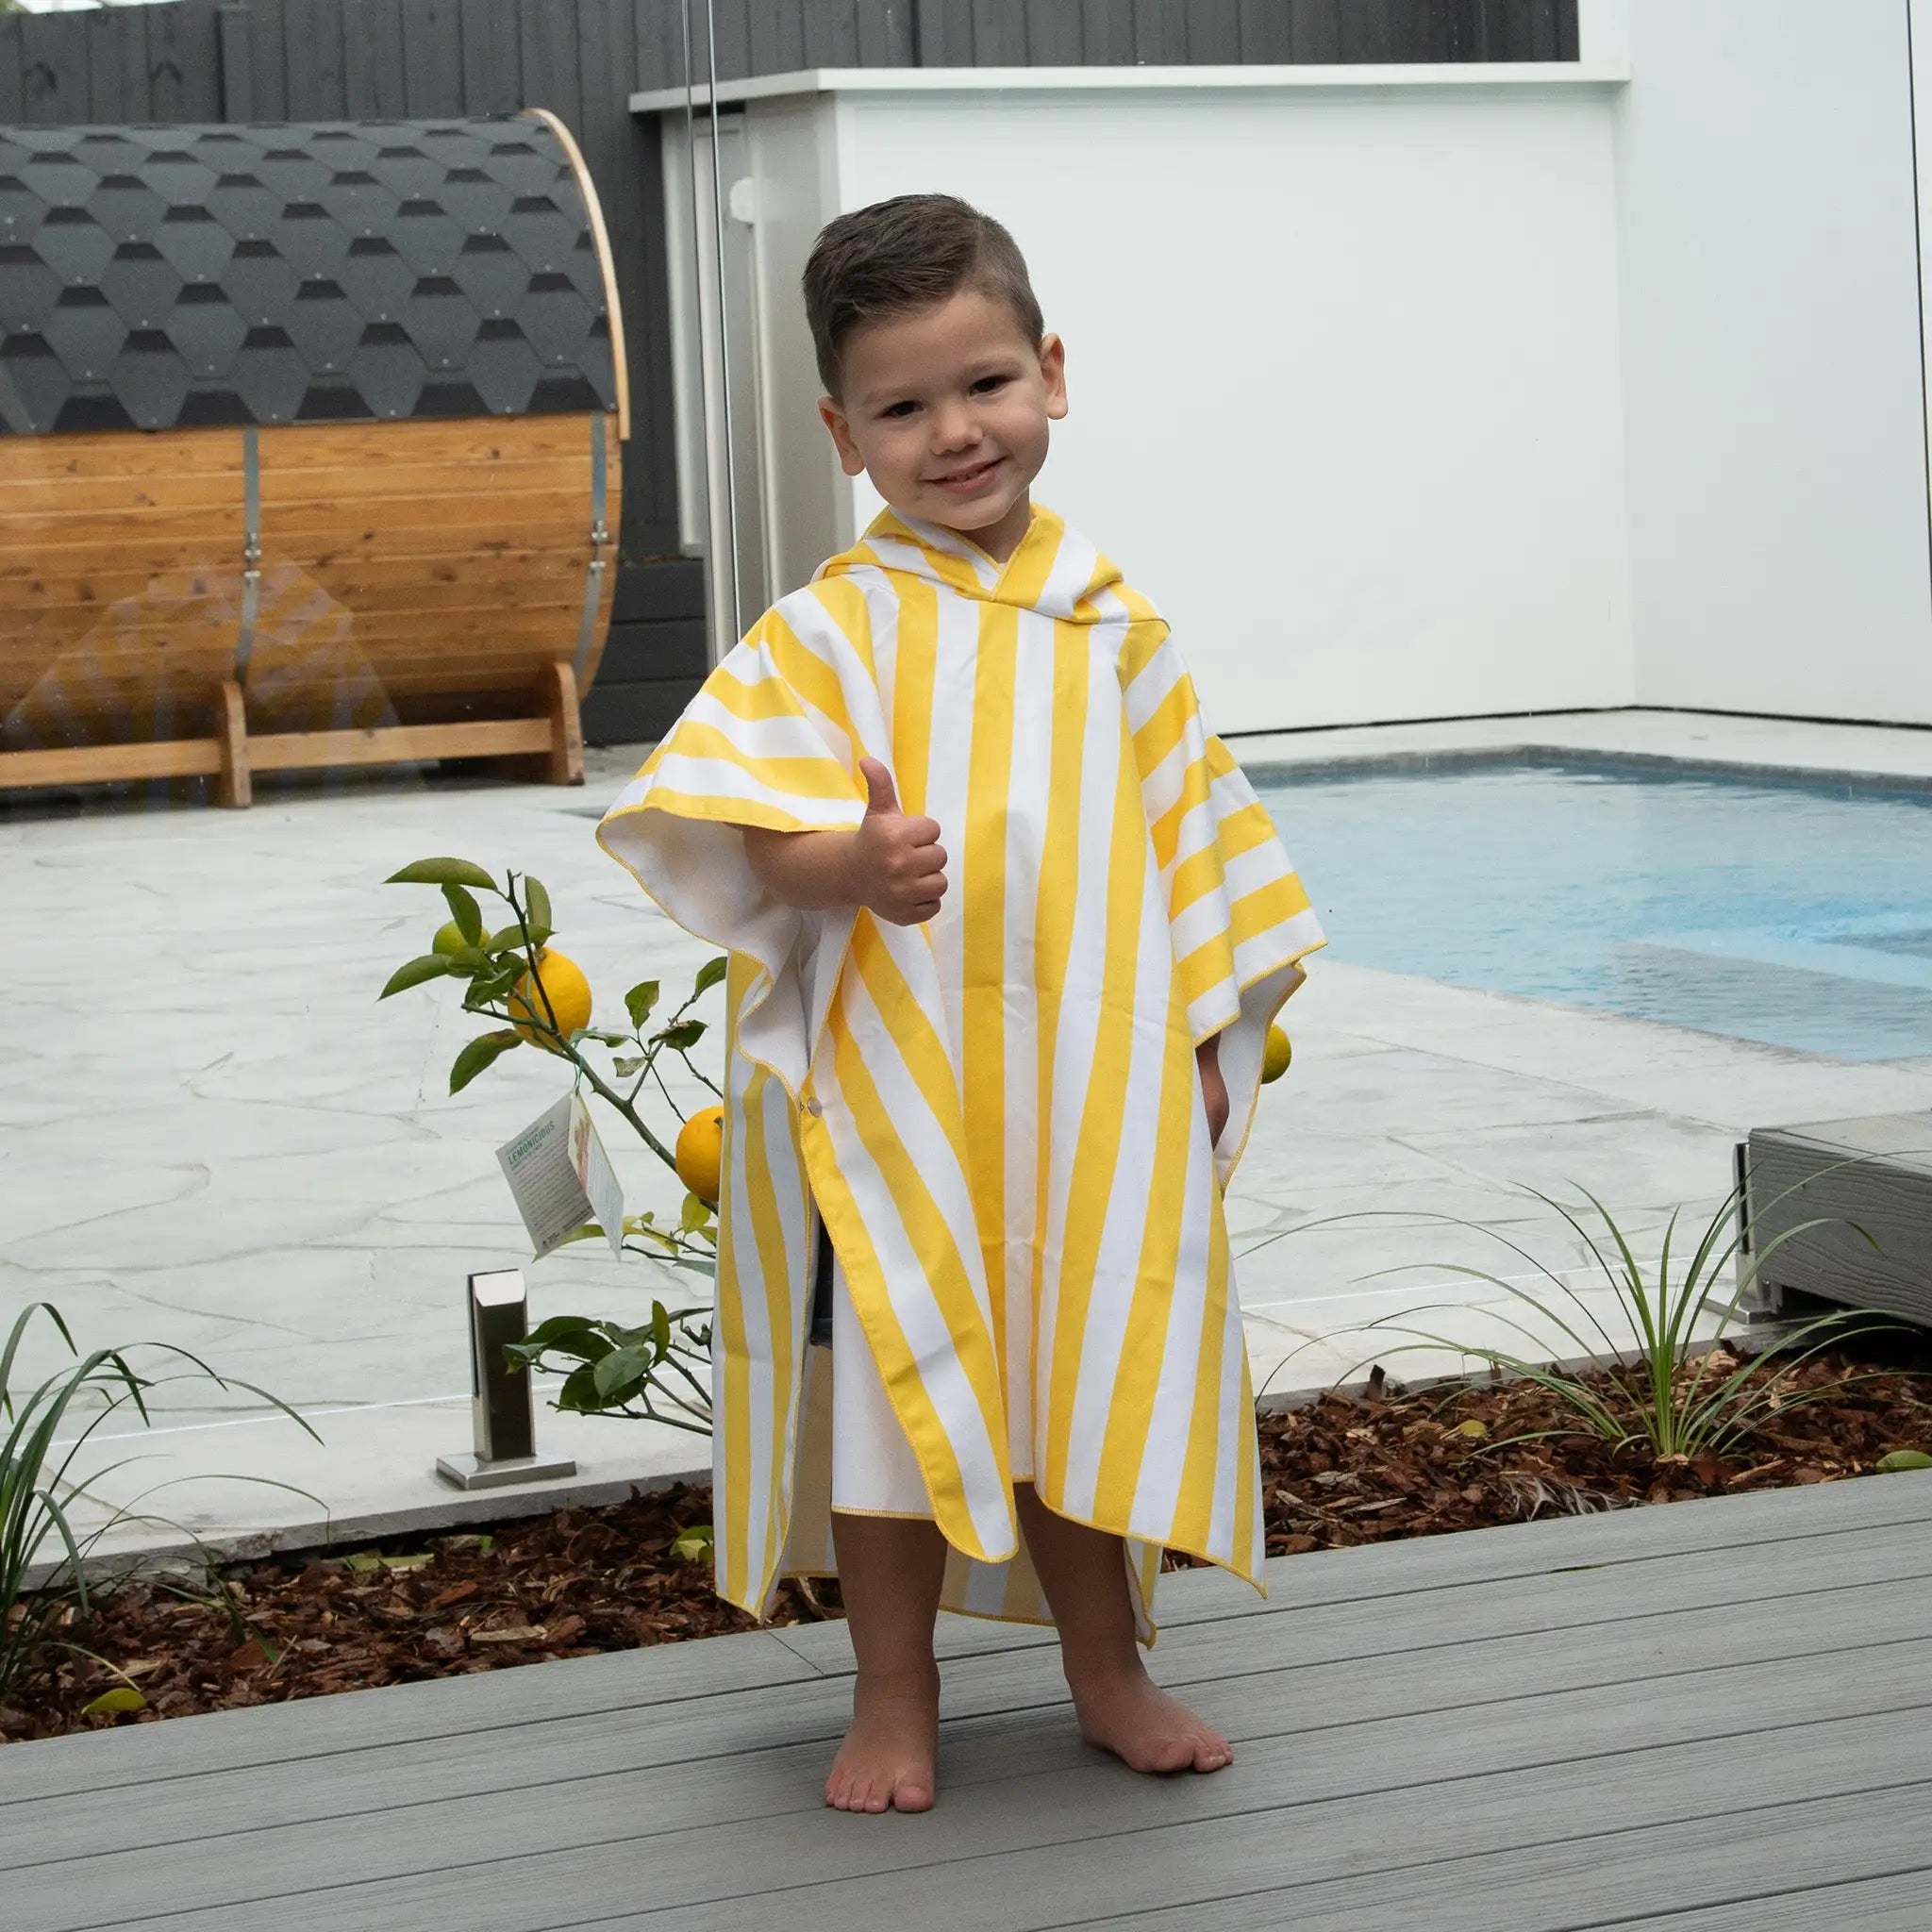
(954, 428)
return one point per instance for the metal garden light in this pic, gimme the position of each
(501, 1405)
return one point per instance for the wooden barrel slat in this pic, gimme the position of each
(382, 584)
(463, 439)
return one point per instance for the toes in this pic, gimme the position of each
(876, 1790)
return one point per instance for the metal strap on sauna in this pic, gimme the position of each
(251, 550)
(600, 538)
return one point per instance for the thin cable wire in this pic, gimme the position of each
(724, 326)
(697, 293)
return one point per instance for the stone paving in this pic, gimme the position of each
(211, 1134)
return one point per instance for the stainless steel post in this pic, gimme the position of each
(503, 1414)
(723, 325)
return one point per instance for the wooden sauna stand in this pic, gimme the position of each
(552, 746)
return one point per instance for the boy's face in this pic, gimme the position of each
(946, 410)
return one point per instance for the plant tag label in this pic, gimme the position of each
(560, 1178)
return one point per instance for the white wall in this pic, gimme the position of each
(1343, 373)
(1412, 393)
(1771, 359)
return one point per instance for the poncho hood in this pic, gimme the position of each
(1054, 571)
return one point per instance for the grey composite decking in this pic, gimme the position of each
(1715, 1717)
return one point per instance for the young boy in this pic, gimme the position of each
(1006, 932)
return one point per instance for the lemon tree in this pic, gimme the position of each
(542, 997)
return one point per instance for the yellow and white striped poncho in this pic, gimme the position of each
(997, 1113)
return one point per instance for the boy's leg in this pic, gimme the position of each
(891, 1569)
(1121, 1707)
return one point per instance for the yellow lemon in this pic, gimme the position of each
(568, 991)
(701, 1153)
(1276, 1055)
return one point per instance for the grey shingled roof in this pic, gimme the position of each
(157, 277)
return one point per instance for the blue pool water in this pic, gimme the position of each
(1793, 913)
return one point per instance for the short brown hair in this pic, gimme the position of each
(902, 255)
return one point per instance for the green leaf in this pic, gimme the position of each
(479, 1054)
(414, 971)
(697, 1214)
(579, 1392)
(710, 973)
(489, 988)
(619, 1370)
(684, 1036)
(623, 1069)
(638, 1001)
(695, 1542)
(576, 1334)
(660, 1329)
(1904, 1459)
(599, 1033)
(536, 904)
(363, 1564)
(122, 1697)
(442, 872)
(469, 916)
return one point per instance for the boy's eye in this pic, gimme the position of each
(904, 408)
(987, 384)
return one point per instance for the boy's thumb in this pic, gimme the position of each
(880, 797)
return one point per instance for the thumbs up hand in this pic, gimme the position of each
(890, 864)
(898, 864)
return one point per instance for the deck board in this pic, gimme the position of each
(1705, 1717)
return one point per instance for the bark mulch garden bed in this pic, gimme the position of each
(1345, 1470)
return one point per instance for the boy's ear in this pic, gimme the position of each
(833, 417)
(1053, 372)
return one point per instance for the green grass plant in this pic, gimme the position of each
(1665, 1388)
(1663, 1384)
(37, 1492)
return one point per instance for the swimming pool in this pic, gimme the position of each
(1790, 911)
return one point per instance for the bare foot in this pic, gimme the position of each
(1127, 1713)
(885, 1762)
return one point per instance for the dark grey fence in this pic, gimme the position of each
(363, 59)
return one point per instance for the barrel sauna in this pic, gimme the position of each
(308, 448)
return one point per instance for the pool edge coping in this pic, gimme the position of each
(1275, 769)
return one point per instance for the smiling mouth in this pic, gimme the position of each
(975, 476)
